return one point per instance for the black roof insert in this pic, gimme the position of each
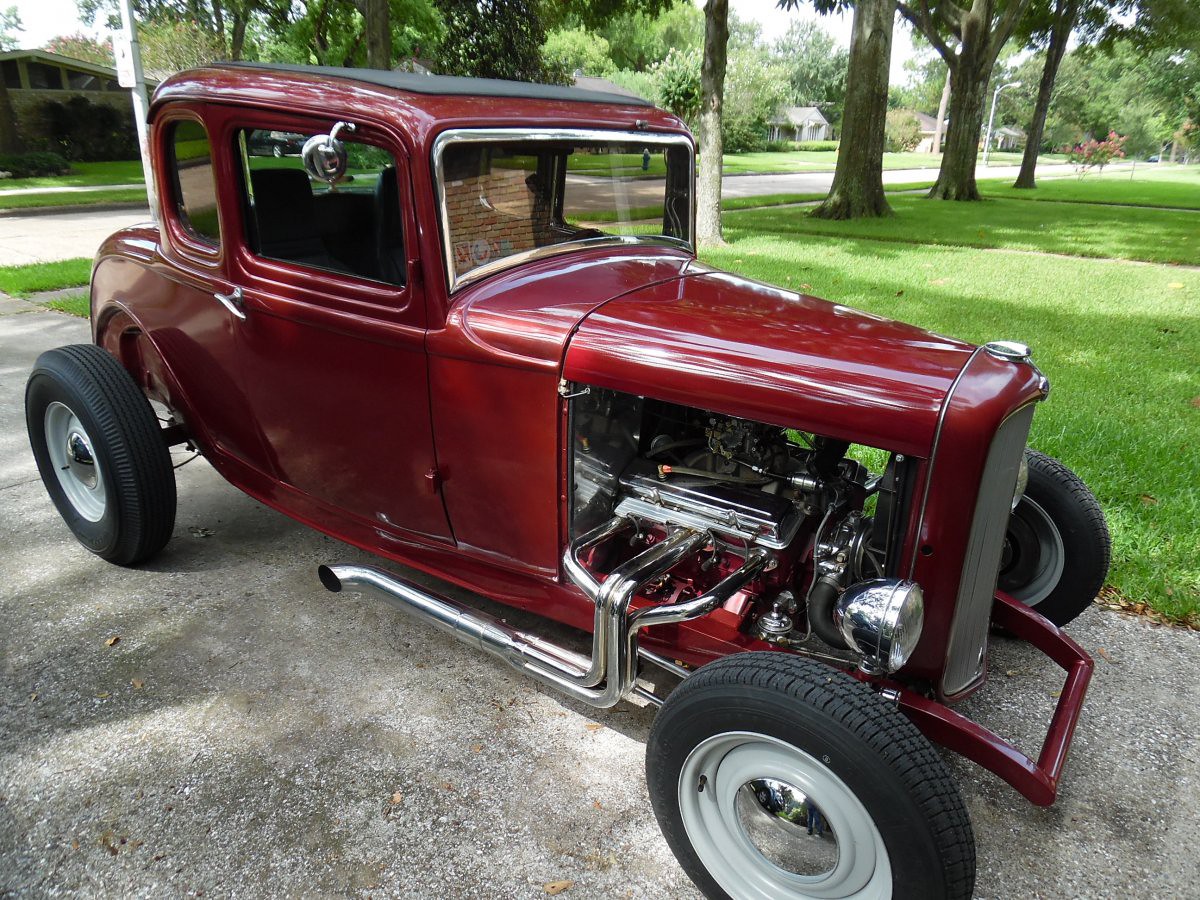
(452, 85)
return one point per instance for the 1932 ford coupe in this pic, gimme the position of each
(461, 324)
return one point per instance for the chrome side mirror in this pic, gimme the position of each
(325, 156)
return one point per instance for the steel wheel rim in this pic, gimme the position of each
(728, 844)
(1051, 553)
(73, 456)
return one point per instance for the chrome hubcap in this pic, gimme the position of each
(779, 818)
(74, 460)
(747, 801)
(1034, 556)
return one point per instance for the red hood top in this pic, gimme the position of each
(731, 345)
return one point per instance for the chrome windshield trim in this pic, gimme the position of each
(485, 135)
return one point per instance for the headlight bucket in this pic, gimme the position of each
(1022, 482)
(882, 618)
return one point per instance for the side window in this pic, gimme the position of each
(195, 186)
(352, 227)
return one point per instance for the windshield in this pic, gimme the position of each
(506, 197)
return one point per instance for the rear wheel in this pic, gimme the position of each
(777, 777)
(1057, 547)
(101, 453)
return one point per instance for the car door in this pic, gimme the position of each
(178, 305)
(333, 341)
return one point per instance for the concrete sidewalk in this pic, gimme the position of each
(251, 733)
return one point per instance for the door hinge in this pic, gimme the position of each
(434, 477)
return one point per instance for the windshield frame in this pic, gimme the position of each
(491, 135)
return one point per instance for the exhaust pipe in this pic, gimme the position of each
(611, 672)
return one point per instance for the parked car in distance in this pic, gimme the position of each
(462, 330)
(275, 143)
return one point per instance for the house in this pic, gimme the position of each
(1007, 138)
(34, 76)
(799, 123)
(928, 127)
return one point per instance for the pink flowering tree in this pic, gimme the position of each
(1093, 154)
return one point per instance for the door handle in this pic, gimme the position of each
(233, 302)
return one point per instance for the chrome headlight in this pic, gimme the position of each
(1022, 482)
(882, 618)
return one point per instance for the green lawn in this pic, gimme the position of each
(21, 281)
(1118, 232)
(1120, 342)
(1147, 185)
(84, 173)
(73, 198)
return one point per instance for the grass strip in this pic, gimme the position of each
(32, 278)
(72, 198)
(72, 304)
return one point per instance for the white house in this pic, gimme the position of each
(928, 127)
(1007, 138)
(799, 123)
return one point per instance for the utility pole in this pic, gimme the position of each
(987, 141)
(130, 75)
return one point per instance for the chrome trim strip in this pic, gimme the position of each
(937, 437)
(484, 135)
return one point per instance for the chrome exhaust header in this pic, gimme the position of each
(611, 672)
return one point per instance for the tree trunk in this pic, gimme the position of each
(1060, 32)
(712, 91)
(237, 41)
(956, 178)
(10, 138)
(940, 127)
(970, 71)
(218, 20)
(857, 189)
(379, 35)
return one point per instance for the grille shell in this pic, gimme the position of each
(966, 652)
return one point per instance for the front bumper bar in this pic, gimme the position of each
(1037, 781)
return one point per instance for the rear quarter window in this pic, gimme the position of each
(195, 185)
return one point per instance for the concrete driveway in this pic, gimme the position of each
(250, 733)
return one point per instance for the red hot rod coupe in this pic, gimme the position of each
(464, 328)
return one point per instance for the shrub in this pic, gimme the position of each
(1095, 154)
(902, 131)
(816, 146)
(34, 165)
(80, 129)
(777, 146)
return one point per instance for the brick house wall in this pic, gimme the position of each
(512, 220)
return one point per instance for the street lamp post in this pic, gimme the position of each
(987, 141)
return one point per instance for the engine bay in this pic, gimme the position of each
(828, 520)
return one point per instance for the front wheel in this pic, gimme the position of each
(777, 778)
(101, 453)
(1057, 546)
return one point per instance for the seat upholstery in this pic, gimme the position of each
(287, 224)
